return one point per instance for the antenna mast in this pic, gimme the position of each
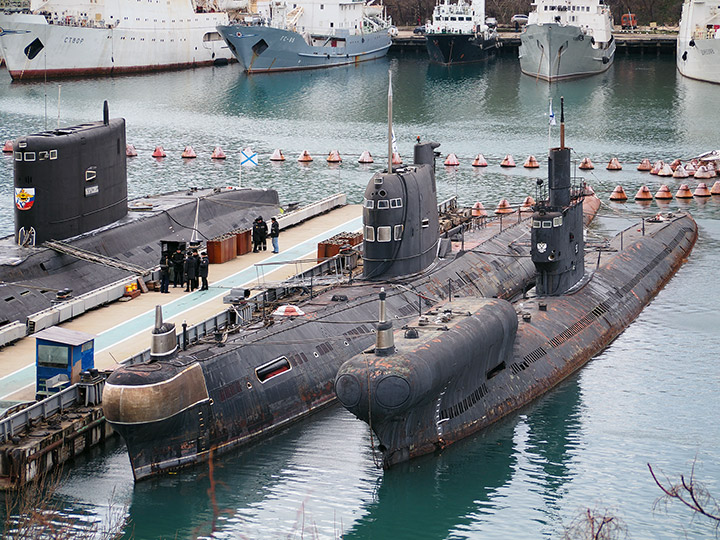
(390, 98)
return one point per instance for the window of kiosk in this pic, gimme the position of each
(54, 356)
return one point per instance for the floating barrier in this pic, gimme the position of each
(531, 163)
(451, 161)
(479, 161)
(478, 210)
(188, 153)
(684, 192)
(586, 164)
(701, 190)
(159, 152)
(277, 155)
(305, 157)
(334, 157)
(645, 165)
(396, 159)
(675, 164)
(130, 150)
(663, 193)
(715, 189)
(680, 172)
(666, 170)
(614, 165)
(656, 168)
(218, 153)
(507, 161)
(703, 173)
(618, 194)
(643, 194)
(690, 168)
(365, 157)
(8, 147)
(503, 207)
(527, 205)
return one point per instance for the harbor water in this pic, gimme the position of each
(647, 399)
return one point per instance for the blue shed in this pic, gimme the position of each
(60, 356)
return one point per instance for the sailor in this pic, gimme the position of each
(257, 234)
(204, 264)
(190, 273)
(196, 262)
(274, 233)
(263, 233)
(177, 260)
(164, 273)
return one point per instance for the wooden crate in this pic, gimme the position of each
(222, 249)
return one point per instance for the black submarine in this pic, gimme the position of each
(78, 238)
(248, 381)
(439, 378)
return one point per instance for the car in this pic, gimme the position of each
(419, 30)
(519, 18)
(491, 22)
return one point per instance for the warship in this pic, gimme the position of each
(195, 399)
(466, 363)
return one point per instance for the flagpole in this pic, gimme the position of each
(549, 127)
(240, 175)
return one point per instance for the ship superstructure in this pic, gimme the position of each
(698, 43)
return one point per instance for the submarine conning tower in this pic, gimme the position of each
(69, 181)
(557, 248)
(400, 218)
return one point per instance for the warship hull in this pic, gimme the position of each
(453, 48)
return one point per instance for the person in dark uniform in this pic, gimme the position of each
(263, 233)
(189, 273)
(257, 235)
(177, 259)
(164, 273)
(274, 233)
(196, 262)
(204, 266)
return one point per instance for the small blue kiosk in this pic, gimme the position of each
(60, 356)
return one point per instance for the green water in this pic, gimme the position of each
(648, 398)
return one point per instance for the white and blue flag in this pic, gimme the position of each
(248, 158)
(551, 115)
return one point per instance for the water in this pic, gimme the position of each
(648, 398)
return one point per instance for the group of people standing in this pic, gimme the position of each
(260, 235)
(184, 269)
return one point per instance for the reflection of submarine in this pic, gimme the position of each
(447, 376)
(182, 405)
(71, 185)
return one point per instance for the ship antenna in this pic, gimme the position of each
(562, 122)
(106, 111)
(195, 236)
(390, 129)
(385, 340)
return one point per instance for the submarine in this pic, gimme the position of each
(194, 400)
(78, 238)
(435, 379)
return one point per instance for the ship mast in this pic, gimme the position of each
(390, 146)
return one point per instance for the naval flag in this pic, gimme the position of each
(551, 116)
(394, 142)
(248, 158)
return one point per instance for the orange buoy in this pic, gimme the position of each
(663, 193)
(665, 171)
(130, 150)
(690, 169)
(715, 189)
(218, 153)
(614, 165)
(680, 172)
(396, 159)
(589, 190)
(675, 164)
(365, 157)
(701, 190)
(618, 194)
(508, 161)
(503, 207)
(479, 161)
(684, 192)
(188, 153)
(656, 168)
(305, 157)
(531, 162)
(277, 155)
(644, 165)
(8, 147)
(643, 194)
(334, 157)
(478, 210)
(527, 205)
(703, 173)
(158, 152)
(586, 164)
(451, 161)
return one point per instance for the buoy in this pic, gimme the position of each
(365, 157)
(8, 147)
(396, 159)
(690, 168)
(703, 173)
(334, 157)
(656, 168)
(503, 207)
(158, 152)
(451, 161)
(645, 165)
(527, 205)
(643, 194)
(614, 165)
(680, 172)
(531, 162)
(665, 170)
(589, 190)
(277, 155)
(288, 310)
(188, 153)
(701, 190)
(618, 194)
(478, 210)
(218, 153)
(675, 164)
(130, 150)
(508, 161)
(479, 161)
(684, 192)
(586, 164)
(305, 157)
(663, 193)
(715, 190)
